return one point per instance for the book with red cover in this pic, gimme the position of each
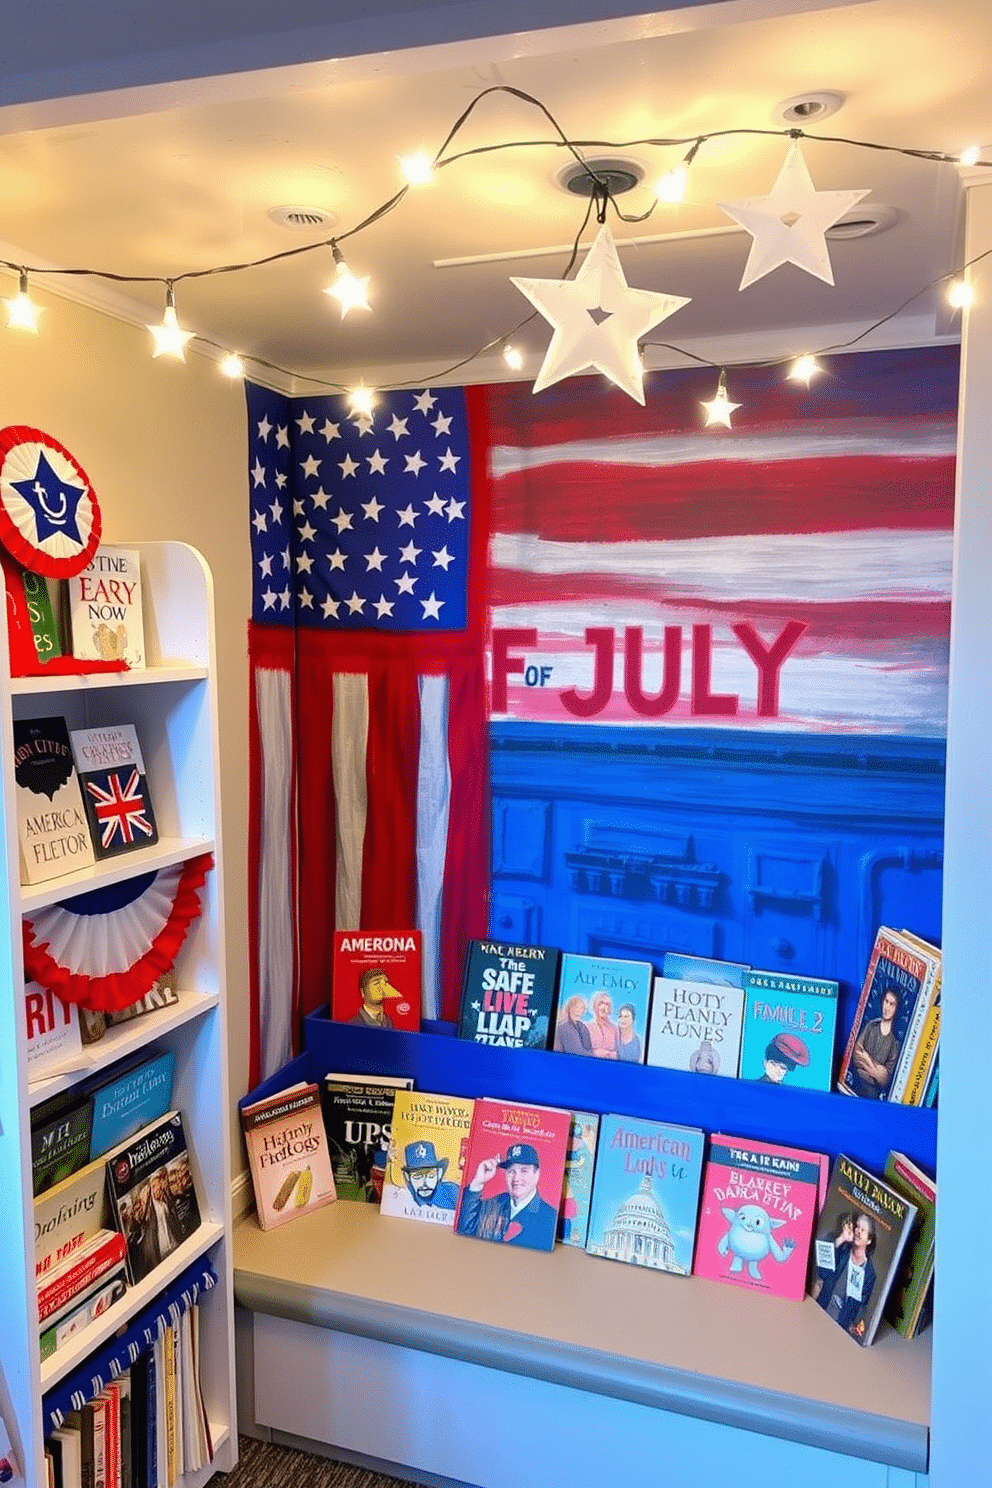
(757, 1215)
(377, 979)
(514, 1169)
(898, 973)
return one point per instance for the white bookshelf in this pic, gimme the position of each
(174, 709)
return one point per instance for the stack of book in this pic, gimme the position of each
(891, 1053)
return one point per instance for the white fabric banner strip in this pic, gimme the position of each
(433, 806)
(349, 740)
(276, 957)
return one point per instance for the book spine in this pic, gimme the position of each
(924, 1002)
(168, 1362)
(916, 1083)
(60, 1290)
(933, 1082)
(99, 1443)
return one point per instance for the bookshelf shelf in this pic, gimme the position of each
(173, 708)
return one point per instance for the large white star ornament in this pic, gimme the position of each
(598, 320)
(789, 225)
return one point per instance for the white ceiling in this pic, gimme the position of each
(165, 191)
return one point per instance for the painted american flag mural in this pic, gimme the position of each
(565, 558)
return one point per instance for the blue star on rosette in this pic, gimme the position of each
(54, 502)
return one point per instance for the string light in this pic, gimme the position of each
(418, 169)
(22, 312)
(169, 337)
(803, 369)
(959, 294)
(232, 365)
(350, 292)
(971, 156)
(671, 186)
(361, 401)
(719, 408)
(513, 358)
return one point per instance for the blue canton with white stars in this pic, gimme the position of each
(359, 522)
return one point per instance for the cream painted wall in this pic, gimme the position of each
(165, 448)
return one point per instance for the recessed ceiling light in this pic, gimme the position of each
(301, 219)
(617, 173)
(809, 108)
(866, 219)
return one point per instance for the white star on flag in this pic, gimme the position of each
(374, 560)
(410, 554)
(356, 603)
(321, 497)
(265, 565)
(306, 599)
(383, 607)
(304, 562)
(347, 466)
(268, 599)
(435, 506)
(372, 509)
(258, 473)
(297, 507)
(275, 511)
(432, 607)
(330, 608)
(405, 583)
(449, 460)
(307, 533)
(442, 558)
(310, 466)
(264, 428)
(424, 402)
(305, 423)
(282, 437)
(397, 427)
(598, 320)
(407, 516)
(281, 479)
(414, 463)
(330, 431)
(363, 422)
(336, 559)
(789, 225)
(442, 424)
(455, 510)
(259, 523)
(342, 521)
(377, 463)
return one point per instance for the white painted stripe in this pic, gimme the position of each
(829, 441)
(796, 567)
(275, 883)
(433, 807)
(349, 741)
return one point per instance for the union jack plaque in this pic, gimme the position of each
(115, 789)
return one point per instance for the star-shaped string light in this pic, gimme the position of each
(719, 408)
(598, 320)
(169, 337)
(790, 224)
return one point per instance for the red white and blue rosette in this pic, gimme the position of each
(49, 516)
(108, 948)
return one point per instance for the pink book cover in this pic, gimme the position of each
(757, 1216)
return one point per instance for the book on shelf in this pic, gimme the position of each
(897, 974)
(696, 1026)
(52, 830)
(105, 611)
(358, 1118)
(603, 1007)
(789, 1027)
(134, 1097)
(508, 994)
(85, 1308)
(162, 995)
(152, 1194)
(757, 1215)
(906, 1306)
(54, 1041)
(576, 1193)
(919, 1047)
(514, 1169)
(68, 1438)
(682, 967)
(60, 1138)
(68, 1216)
(30, 610)
(645, 1195)
(112, 779)
(863, 1230)
(79, 1272)
(288, 1155)
(376, 978)
(426, 1155)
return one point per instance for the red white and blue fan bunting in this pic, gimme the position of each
(49, 517)
(106, 949)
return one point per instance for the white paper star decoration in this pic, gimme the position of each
(598, 320)
(789, 225)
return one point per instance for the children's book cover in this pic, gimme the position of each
(288, 1155)
(603, 1007)
(685, 968)
(376, 981)
(426, 1155)
(53, 833)
(789, 1026)
(897, 974)
(150, 1184)
(645, 1195)
(105, 608)
(508, 994)
(757, 1217)
(862, 1233)
(696, 1026)
(134, 1098)
(115, 789)
(358, 1119)
(514, 1170)
(576, 1195)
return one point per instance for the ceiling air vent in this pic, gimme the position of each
(302, 219)
(866, 220)
(618, 175)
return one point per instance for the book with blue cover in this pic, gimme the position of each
(645, 1196)
(136, 1097)
(576, 1194)
(603, 1007)
(789, 1025)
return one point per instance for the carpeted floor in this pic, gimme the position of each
(264, 1465)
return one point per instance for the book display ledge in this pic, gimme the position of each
(172, 704)
(342, 1291)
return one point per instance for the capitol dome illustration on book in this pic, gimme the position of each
(640, 1232)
